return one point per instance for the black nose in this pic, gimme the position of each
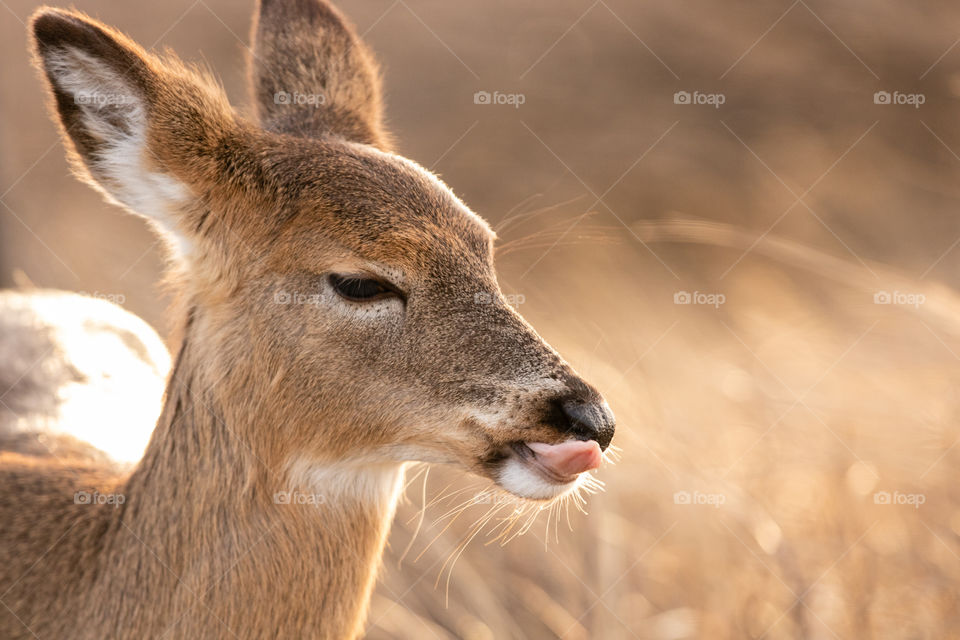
(587, 420)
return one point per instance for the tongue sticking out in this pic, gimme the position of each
(567, 458)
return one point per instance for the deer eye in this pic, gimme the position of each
(357, 288)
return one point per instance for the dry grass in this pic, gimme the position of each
(793, 404)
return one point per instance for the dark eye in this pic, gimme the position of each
(361, 289)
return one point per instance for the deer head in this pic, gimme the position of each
(341, 302)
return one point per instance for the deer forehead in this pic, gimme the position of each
(381, 207)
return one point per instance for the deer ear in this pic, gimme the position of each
(311, 76)
(119, 107)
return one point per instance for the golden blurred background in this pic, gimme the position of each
(710, 210)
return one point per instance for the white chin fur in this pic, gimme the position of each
(519, 479)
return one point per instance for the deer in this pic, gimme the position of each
(338, 318)
(65, 355)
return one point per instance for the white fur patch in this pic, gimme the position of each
(520, 480)
(121, 366)
(489, 417)
(378, 484)
(114, 113)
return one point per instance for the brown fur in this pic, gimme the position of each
(265, 397)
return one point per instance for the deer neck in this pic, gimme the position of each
(229, 539)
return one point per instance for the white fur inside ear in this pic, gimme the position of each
(114, 114)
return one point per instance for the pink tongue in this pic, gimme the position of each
(568, 458)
